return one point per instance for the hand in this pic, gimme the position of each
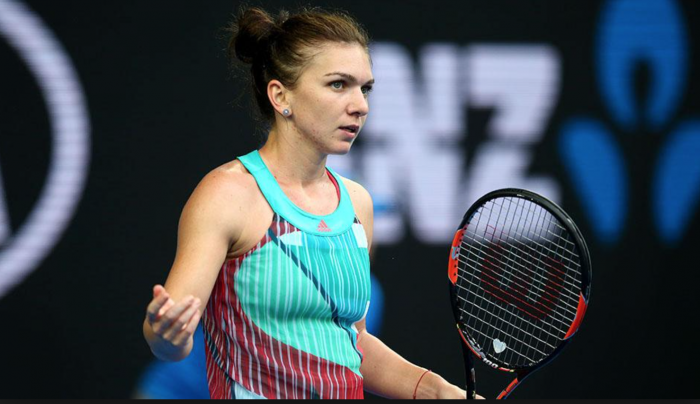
(450, 391)
(174, 323)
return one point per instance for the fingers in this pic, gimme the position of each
(176, 318)
(189, 328)
(158, 289)
(173, 321)
(158, 305)
(167, 306)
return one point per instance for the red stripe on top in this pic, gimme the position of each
(335, 183)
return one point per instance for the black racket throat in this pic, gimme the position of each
(520, 273)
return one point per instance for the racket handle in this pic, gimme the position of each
(466, 352)
(469, 373)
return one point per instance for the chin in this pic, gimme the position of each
(340, 151)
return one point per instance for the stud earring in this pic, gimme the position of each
(286, 112)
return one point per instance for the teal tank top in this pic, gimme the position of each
(280, 320)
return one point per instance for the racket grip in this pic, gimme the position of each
(469, 373)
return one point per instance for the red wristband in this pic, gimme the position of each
(421, 378)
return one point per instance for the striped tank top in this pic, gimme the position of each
(280, 320)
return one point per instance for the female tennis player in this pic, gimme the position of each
(273, 247)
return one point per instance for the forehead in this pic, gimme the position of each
(351, 59)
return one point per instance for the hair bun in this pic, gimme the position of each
(251, 33)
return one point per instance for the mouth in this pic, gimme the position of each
(354, 129)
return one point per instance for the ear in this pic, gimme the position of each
(278, 95)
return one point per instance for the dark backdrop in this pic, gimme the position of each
(164, 111)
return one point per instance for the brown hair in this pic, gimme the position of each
(279, 48)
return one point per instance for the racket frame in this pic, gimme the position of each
(468, 343)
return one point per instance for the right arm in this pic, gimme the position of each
(211, 223)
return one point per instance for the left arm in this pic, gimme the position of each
(385, 372)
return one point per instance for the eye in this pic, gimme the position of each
(366, 90)
(337, 85)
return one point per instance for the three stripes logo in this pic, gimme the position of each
(647, 36)
(323, 227)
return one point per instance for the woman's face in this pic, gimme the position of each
(330, 99)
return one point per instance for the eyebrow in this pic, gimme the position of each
(348, 77)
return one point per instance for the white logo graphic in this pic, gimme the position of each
(499, 346)
(51, 67)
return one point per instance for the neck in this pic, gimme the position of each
(292, 161)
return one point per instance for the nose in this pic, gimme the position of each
(359, 104)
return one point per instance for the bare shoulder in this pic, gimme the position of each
(228, 201)
(225, 184)
(361, 199)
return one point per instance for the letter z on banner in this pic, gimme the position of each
(45, 58)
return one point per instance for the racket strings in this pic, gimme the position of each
(552, 332)
(520, 274)
(521, 205)
(504, 244)
(568, 307)
(517, 354)
(512, 352)
(533, 234)
(568, 247)
(545, 342)
(511, 232)
(536, 228)
(518, 270)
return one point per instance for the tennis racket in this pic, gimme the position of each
(520, 280)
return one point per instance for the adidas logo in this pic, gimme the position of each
(323, 227)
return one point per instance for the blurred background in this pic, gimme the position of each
(112, 111)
